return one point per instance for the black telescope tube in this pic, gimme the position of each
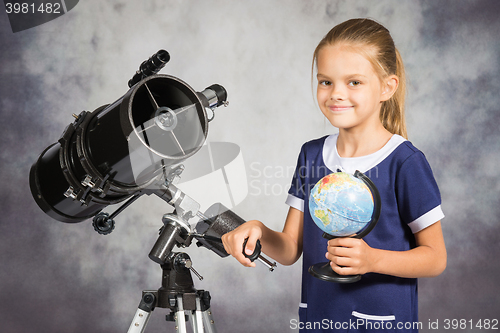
(90, 166)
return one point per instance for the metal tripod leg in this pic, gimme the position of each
(180, 318)
(139, 322)
(196, 317)
(208, 321)
(202, 319)
(141, 318)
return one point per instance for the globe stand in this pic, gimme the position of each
(323, 270)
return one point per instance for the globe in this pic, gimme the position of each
(341, 204)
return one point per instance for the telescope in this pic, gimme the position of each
(118, 151)
(133, 146)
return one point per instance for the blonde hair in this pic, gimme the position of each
(374, 41)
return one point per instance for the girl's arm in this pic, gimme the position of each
(427, 259)
(285, 247)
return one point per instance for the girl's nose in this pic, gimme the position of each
(338, 94)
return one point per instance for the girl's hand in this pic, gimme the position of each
(233, 241)
(349, 256)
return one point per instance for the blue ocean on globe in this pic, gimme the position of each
(341, 204)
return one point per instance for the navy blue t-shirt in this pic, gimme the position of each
(410, 202)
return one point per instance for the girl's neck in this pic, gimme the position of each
(352, 143)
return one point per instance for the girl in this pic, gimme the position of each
(361, 92)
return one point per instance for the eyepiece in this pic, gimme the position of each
(151, 66)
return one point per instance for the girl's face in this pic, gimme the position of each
(350, 93)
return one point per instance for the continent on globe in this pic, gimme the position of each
(324, 217)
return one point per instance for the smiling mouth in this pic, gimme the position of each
(340, 108)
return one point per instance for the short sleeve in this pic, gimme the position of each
(418, 196)
(297, 193)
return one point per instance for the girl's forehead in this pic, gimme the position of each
(342, 59)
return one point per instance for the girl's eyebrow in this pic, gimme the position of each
(349, 76)
(356, 76)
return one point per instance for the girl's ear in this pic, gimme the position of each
(390, 84)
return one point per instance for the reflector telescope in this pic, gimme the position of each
(120, 150)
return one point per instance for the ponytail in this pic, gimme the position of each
(392, 112)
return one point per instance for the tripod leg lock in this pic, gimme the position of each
(148, 301)
(205, 298)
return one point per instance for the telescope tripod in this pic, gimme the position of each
(179, 295)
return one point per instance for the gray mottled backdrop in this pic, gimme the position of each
(57, 277)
